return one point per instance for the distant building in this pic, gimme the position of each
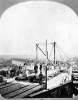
(18, 63)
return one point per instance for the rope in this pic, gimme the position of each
(45, 55)
(63, 52)
(51, 51)
(60, 54)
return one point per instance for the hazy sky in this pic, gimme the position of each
(5, 4)
(25, 24)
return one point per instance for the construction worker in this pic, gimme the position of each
(40, 75)
(36, 69)
(40, 78)
(25, 65)
(19, 69)
(12, 71)
(41, 68)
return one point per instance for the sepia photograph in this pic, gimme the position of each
(38, 49)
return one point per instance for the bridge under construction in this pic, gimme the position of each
(54, 83)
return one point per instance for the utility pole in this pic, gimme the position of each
(36, 52)
(46, 63)
(54, 53)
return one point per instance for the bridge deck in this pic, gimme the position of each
(20, 89)
(14, 90)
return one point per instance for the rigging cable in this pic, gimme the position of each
(51, 51)
(59, 53)
(63, 51)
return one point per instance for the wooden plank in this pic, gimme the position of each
(75, 82)
(6, 85)
(3, 83)
(11, 88)
(12, 94)
(25, 94)
(35, 94)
